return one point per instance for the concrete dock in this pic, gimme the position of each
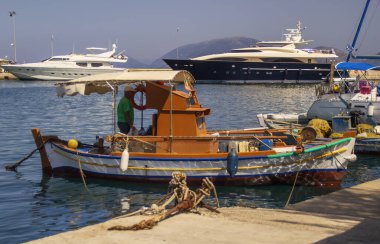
(350, 215)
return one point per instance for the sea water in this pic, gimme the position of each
(33, 206)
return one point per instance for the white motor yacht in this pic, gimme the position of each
(72, 66)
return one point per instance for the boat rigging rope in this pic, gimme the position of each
(13, 167)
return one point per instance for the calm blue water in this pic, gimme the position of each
(32, 207)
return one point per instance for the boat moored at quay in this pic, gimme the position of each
(267, 62)
(178, 141)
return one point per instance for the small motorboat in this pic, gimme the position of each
(179, 141)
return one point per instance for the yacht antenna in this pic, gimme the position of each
(52, 45)
(352, 47)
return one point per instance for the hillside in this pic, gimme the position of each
(204, 48)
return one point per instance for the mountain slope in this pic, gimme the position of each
(204, 48)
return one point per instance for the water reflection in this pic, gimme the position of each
(35, 206)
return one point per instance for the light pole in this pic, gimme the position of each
(12, 14)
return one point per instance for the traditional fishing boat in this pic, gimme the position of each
(179, 141)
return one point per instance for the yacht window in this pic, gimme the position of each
(245, 51)
(96, 64)
(58, 59)
(228, 59)
(82, 64)
(281, 60)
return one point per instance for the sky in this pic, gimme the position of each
(148, 29)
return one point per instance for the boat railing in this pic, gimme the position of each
(320, 51)
(215, 143)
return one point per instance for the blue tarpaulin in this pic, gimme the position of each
(356, 66)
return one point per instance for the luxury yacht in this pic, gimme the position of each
(267, 62)
(68, 67)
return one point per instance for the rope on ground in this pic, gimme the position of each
(184, 200)
(13, 167)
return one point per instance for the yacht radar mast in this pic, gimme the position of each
(293, 36)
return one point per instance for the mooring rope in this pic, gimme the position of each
(81, 172)
(13, 167)
(291, 192)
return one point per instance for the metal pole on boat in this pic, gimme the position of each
(170, 119)
(332, 69)
(114, 92)
(352, 47)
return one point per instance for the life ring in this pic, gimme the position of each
(141, 89)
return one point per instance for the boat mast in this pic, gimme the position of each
(114, 92)
(352, 47)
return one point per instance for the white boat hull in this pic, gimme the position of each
(325, 165)
(330, 105)
(56, 73)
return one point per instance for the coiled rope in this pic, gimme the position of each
(185, 200)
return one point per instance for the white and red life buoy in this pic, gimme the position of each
(139, 89)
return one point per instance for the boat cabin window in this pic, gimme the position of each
(228, 59)
(245, 51)
(96, 64)
(58, 59)
(82, 64)
(281, 60)
(200, 120)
